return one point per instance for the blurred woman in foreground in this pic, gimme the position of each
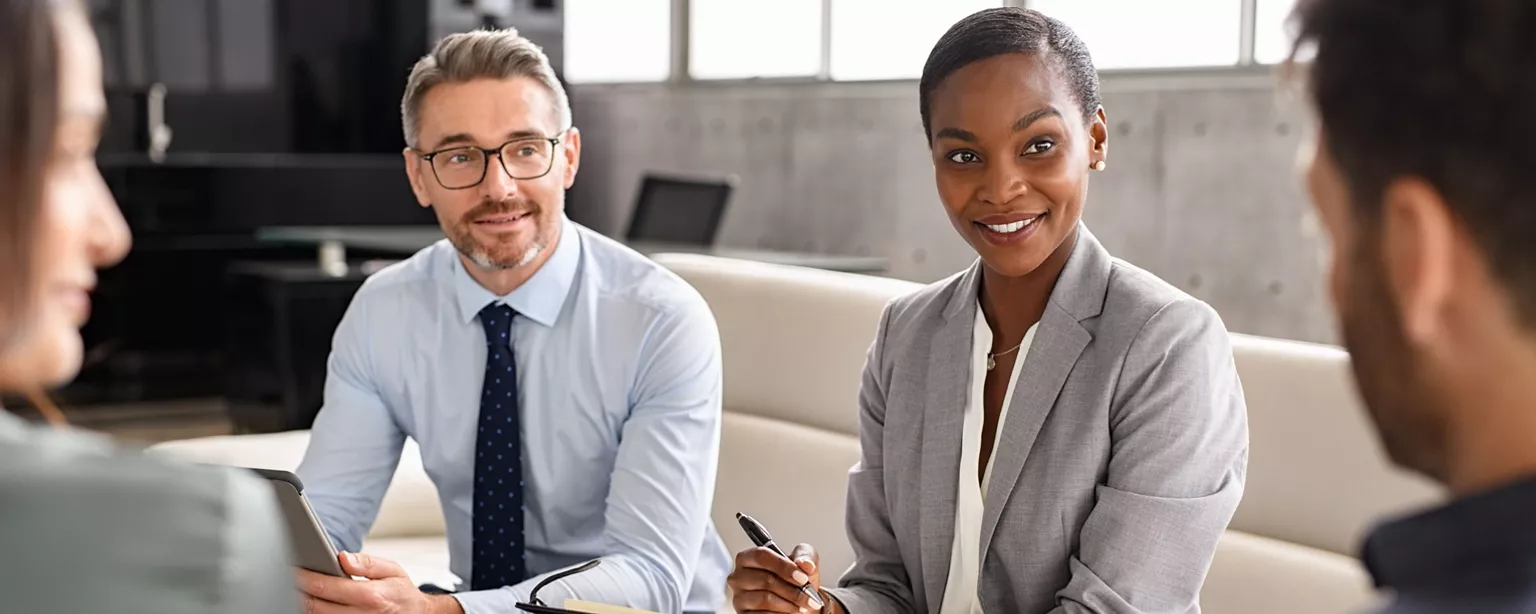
(85, 527)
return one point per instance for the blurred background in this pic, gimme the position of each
(254, 146)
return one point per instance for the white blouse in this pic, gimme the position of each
(960, 592)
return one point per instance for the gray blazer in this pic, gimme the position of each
(1120, 464)
(87, 529)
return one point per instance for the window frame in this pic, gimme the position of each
(672, 40)
(681, 69)
(684, 40)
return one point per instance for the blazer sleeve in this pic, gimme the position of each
(256, 567)
(877, 582)
(1179, 455)
(88, 527)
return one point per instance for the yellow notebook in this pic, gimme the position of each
(577, 605)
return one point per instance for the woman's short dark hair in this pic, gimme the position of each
(29, 92)
(999, 31)
(1441, 90)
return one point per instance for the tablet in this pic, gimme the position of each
(311, 546)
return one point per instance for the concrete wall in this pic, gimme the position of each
(1201, 189)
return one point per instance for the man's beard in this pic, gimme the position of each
(1408, 414)
(482, 259)
(463, 237)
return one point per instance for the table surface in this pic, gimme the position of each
(407, 240)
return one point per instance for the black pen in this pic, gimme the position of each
(759, 536)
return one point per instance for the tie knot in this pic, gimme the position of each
(497, 320)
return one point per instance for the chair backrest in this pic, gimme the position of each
(680, 210)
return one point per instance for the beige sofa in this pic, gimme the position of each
(794, 343)
(1317, 482)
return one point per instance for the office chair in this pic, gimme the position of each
(680, 210)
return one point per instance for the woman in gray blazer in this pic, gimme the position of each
(1052, 430)
(86, 528)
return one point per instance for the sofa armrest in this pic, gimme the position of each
(410, 507)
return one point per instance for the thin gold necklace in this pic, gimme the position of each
(992, 358)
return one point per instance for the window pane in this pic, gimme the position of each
(896, 44)
(1271, 37)
(1146, 34)
(740, 39)
(618, 40)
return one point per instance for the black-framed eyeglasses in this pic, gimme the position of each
(463, 167)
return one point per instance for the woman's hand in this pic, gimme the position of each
(763, 581)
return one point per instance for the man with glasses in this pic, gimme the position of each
(564, 390)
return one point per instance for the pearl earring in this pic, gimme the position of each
(1099, 166)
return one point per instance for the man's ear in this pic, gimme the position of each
(572, 155)
(1418, 236)
(413, 168)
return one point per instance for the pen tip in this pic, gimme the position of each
(740, 515)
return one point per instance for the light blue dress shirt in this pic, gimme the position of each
(619, 372)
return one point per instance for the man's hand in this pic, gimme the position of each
(387, 590)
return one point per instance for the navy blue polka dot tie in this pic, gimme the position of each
(498, 515)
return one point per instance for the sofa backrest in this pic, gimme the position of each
(1317, 474)
(824, 322)
(794, 345)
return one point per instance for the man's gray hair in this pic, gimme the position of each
(481, 54)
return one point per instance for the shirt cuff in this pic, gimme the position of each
(498, 601)
(855, 602)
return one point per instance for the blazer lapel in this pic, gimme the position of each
(1059, 341)
(943, 419)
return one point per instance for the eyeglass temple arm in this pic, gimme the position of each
(534, 596)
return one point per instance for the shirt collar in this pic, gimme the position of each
(1462, 538)
(541, 297)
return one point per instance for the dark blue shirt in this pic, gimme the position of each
(1474, 555)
